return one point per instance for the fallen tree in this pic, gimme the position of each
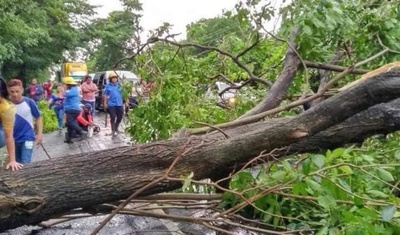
(44, 190)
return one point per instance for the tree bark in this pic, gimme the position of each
(43, 190)
(278, 90)
(332, 67)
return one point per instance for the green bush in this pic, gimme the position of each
(48, 117)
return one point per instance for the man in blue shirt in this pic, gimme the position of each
(113, 102)
(27, 113)
(72, 109)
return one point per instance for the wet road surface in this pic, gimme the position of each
(53, 143)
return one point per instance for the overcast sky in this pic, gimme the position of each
(179, 13)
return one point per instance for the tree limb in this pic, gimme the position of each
(234, 58)
(282, 83)
(332, 67)
(257, 117)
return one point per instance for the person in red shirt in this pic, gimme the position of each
(35, 91)
(48, 86)
(85, 118)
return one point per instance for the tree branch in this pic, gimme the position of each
(259, 116)
(141, 48)
(234, 58)
(282, 83)
(332, 67)
(255, 43)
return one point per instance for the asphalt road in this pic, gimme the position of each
(53, 143)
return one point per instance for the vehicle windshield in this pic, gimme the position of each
(127, 75)
(77, 73)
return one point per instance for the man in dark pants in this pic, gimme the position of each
(72, 109)
(113, 103)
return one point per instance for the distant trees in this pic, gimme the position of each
(36, 34)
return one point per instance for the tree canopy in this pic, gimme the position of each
(37, 34)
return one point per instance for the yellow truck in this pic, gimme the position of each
(74, 69)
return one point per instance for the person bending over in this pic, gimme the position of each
(85, 118)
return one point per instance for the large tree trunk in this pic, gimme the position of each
(379, 119)
(45, 189)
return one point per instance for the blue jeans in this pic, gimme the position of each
(23, 151)
(91, 103)
(2, 138)
(60, 117)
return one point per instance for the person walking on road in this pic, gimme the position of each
(72, 109)
(7, 118)
(113, 103)
(57, 103)
(27, 114)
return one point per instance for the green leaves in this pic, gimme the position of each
(385, 175)
(35, 35)
(48, 117)
(377, 194)
(327, 201)
(345, 191)
(388, 212)
(318, 160)
(114, 37)
(346, 170)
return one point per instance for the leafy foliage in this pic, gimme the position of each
(344, 191)
(351, 25)
(172, 113)
(36, 34)
(48, 117)
(115, 37)
(179, 100)
(212, 31)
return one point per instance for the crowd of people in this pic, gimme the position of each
(21, 126)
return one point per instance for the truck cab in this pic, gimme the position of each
(76, 70)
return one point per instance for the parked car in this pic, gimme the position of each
(225, 100)
(101, 80)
